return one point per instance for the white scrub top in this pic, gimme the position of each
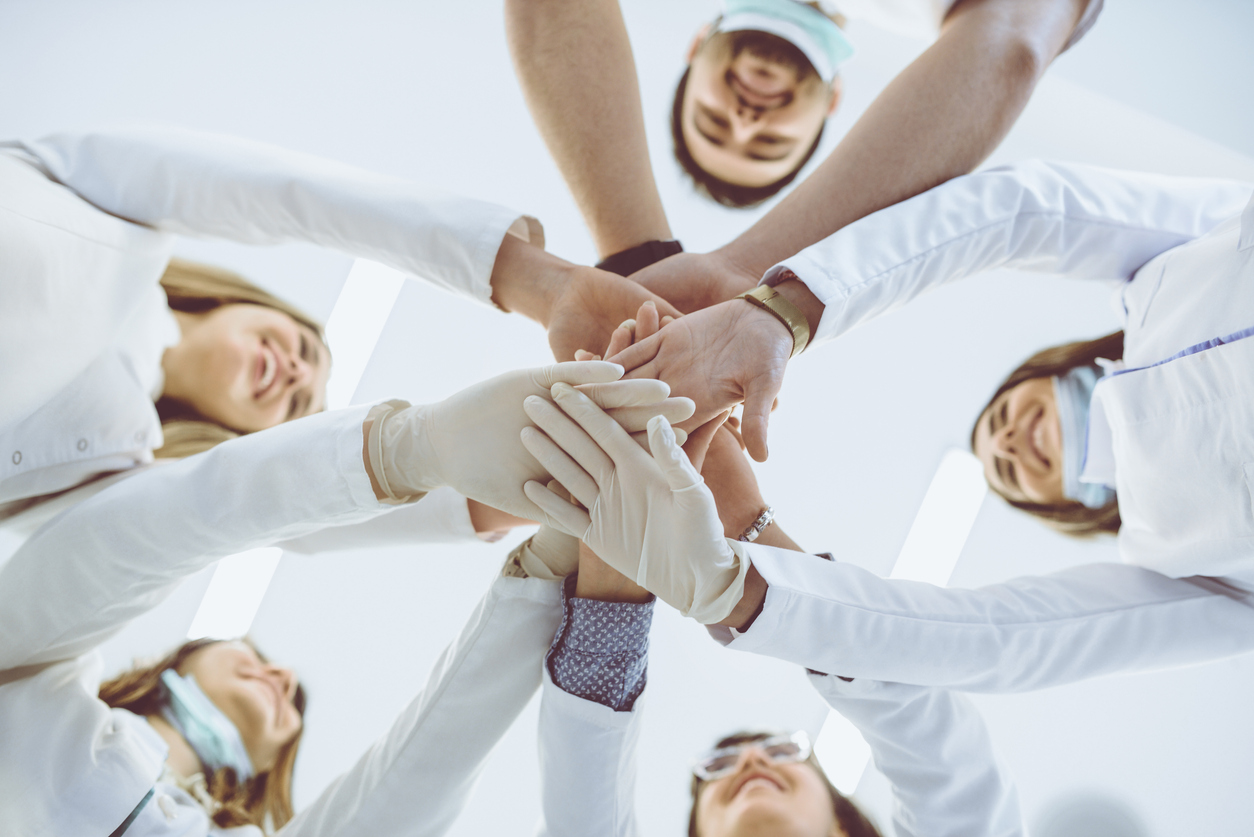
(85, 236)
(1179, 422)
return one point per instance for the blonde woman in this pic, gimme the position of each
(111, 354)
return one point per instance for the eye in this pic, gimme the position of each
(304, 348)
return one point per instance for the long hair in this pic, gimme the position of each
(1068, 517)
(716, 189)
(196, 288)
(265, 799)
(852, 821)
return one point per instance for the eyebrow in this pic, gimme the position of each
(776, 141)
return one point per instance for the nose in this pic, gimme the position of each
(285, 678)
(1005, 443)
(744, 121)
(299, 372)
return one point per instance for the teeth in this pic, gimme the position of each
(267, 376)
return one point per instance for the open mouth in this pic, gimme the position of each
(1036, 438)
(758, 96)
(267, 371)
(757, 780)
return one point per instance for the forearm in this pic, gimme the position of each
(938, 119)
(574, 62)
(211, 185)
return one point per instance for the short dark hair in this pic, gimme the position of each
(852, 821)
(1068, 517)
(716, 189)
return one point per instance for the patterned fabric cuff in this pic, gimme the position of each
(600, 652)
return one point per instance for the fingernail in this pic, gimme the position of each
(651, 303)
(560, 388)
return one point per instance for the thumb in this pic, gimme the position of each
(759, 396)
(670, 457)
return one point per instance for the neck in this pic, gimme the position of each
(182, 759)
(170, 358)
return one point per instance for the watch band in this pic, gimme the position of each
(769, 299)
(627, 262)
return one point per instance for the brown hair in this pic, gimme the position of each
(716, 189)
(851, 820)
(1068, 517)
(265, 799)
(196, 288)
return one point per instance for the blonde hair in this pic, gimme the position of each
(265, 800)
(196, 288)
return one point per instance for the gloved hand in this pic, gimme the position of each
(470, 441)
(650, 517)
(548, 554)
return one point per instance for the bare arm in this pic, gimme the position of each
(577, 73)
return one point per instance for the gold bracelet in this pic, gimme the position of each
(769, 299)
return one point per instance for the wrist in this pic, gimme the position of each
(803, 299)
(528, 280)
(750, 604)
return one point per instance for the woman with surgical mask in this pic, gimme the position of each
(73, 765)
(113, 354)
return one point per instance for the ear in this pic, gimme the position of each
(695, 46)
(838, 88)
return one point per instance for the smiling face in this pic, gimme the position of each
(257, 696)
(762, 797)
(752, 107)
(1019, 441)
(247, 367)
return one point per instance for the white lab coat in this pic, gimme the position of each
(72, 766)
(86, 224)
(1188, 256)
(1173, 432)
(930, 744)
(923, 18)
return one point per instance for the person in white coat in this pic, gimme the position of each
(103, 342)
(72, 765)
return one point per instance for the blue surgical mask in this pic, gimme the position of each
(210, 733)
(806, 28)
(1072, 393)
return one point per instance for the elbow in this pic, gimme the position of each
(1021, 61)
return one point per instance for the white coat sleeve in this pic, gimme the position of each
(86, 573)
(587, 765)
(1071, 220)
(209, 185)
(442, 516)
(1023, 634)
(415, 780)
(936, 753)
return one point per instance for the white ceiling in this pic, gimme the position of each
(426, 91)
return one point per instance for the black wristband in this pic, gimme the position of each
(639, 257)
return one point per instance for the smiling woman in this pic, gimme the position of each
(759, 783)
(247, 360)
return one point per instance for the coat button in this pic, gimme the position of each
(17, 457)
(82, 444)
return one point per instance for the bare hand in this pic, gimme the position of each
(732, 482)
(719, 357)
(591, 306)
(692, 281)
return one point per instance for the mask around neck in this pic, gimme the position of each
(806, 28)
(211, 734)
(1073, 392)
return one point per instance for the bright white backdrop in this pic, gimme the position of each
(426, 91)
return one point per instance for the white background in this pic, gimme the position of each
(426, 91)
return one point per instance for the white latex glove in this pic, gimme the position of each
(470, 441)
(649, 517)
(548, 554)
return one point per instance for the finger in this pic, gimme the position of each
(699, 442)
(620, 339)
(633, 393)
(759, 394)
(670, 456)
(647, 321)
(667, 320)
(608, 434)
(558, 489)
(584, 354)
(639, 353)
(576, 372)
(558, 513)
(641, 438)
(560, 466)
(561, 435)
(636, 418)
